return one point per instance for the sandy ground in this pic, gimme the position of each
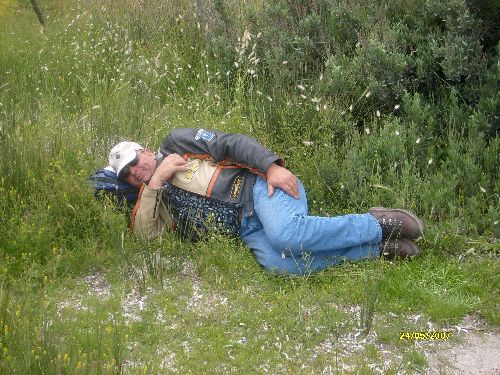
(474, 349)
(477, 353)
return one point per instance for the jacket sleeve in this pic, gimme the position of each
(238, 148)
(150, 216)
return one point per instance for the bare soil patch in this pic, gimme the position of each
(478, 352)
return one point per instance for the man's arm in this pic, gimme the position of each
(150, 217)
(170, 165)
(220, 146)
(237, 148)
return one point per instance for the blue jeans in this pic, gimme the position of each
(285, 239)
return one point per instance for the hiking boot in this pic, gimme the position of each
(397, 223)
(401, 248)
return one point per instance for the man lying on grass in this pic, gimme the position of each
(203, 179)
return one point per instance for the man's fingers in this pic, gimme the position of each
(289, 189)
(270, 190)
(293, 190)
(173, 160)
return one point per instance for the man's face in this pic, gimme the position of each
(143, 170)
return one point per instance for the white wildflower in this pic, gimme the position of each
(258, 92)
(307, 143)
(482, 189)
(301, 88)
(396, 132)
(269, 98)
(430, 161)
(368, 94)
(351, 107)
(367, 130)
(236, 64)
(246, 38)
(418, 141)
(397, 106)
(377, 113)
(285, 62)
(303, 96)
(324, 106)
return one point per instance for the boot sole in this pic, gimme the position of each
(419, 222)
(414, 252)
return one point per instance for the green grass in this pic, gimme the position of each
(80, 294)
(207, 315)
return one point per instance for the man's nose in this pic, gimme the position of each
(133, 170)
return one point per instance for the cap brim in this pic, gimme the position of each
(124, 162)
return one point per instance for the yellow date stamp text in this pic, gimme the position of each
(425, 335)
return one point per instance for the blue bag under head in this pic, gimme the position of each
(105, 182)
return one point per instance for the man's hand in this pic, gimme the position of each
(282, 178)
(172, 164)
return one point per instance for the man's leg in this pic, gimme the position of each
(289, 229)
(283, 261)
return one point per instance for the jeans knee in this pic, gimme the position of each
(284, 235)
(271, 261)
(268, 261)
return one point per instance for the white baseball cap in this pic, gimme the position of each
(122, 154)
